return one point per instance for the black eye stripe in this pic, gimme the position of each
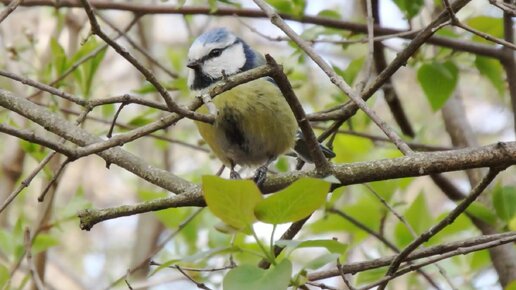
(208, 56)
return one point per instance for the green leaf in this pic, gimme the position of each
(478, 260)
(251, 277)
(85, 73)
(438, 81)
(139, 121)
(328, 13)
(351, 72)
(321, 261)
(294, 7)
(58, 56)
(367, 209)
(211, 252)
(512, 224)
(332, 246)
(504, 201)
(233, 201)
(107, 110)
(4, 276)
(409, 7)
(370, 276)
(480, 211)
(293, 203)
(163, 266)
(231, 3)
(42, 242)
(490, 25)
(493, 71)
(511, 286)
(462, 224)
(282, 164)
(419, 218)
(7, 242)
(350, 148)
(170, 217)
(146, 88)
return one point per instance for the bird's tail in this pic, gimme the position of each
(301, 149)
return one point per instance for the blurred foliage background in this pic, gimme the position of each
(42, 43)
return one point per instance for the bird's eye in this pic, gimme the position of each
(215, 52)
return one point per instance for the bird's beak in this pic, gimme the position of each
(193, 64)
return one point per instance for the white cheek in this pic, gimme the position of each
(231, 60)
(191, 77)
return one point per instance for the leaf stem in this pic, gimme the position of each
(267, 253)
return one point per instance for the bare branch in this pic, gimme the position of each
(9, 9)
(475, 192)
(142, 9)
(149, 76)
(451, 247)
(336, 79)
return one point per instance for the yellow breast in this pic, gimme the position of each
(254, 124)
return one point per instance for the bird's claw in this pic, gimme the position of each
(234, 175)
(260, 176)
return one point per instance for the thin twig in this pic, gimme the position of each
(32, 267)
(158, 248)
(379, 237)
(138, 48)
(85, 58)
(349, 109)
(368, 66)
(9, 9)
(475, 192)
(145, 9)
(411, 230)
(149, 76)
(455, 21)
(336, 79)
(433, 260)
(198, 284)
(505, 7)
(418, 254)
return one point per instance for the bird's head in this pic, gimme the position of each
(215, 53)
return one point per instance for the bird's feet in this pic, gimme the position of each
(260, 175)
(234, 175)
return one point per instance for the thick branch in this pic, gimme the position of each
(501, 154)
(423, 253)
(418, 164)
(349, 109)
(90, 217)
(66, 129)
(456, 44)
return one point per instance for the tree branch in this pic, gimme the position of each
(475, 193)
(456, 44)
(350, 108)
(334, 78)
(149, 76)
(418, 254)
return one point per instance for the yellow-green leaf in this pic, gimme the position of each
(251, 277)
(504, 201)
(493, 71)
(438, 81)
(490, 25)
(293, 203)
(233, 201)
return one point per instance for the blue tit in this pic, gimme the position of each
(254, 123)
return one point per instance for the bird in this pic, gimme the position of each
(254, 123)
